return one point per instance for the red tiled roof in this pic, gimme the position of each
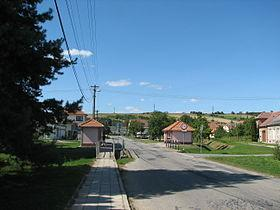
(275, 121)
(264, 115)
(91, 123)
(178, 126)
(270, 119)
(213, 126)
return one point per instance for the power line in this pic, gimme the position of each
(95, 37)
(92, 29)
(68, 49)
(73, 26)
(83, 41)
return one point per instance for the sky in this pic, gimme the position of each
(179, 55)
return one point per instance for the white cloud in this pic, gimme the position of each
(151, 85)
(132, 109)
(74, 52)
(193, 100)
(144, 83)
(142, 99)
(109, 104)
(118, 83)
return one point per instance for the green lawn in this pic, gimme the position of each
(124, 161)
(46, 188)
(236, 148)
(266, 165)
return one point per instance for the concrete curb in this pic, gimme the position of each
(123, 192)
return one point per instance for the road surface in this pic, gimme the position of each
(164, 179)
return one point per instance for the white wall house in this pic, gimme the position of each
(273, 130)
(269, 127)
(178, 132)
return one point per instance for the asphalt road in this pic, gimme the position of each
(164, 179)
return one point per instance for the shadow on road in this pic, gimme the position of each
(149, 183)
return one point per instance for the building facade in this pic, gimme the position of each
(178, 132)
(91, 132)
(268, 124)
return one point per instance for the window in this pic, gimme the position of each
(79, 118)
(169, 135)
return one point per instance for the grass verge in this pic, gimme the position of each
(236, 148)
(124, 161)
(266, 165)
(45, 188)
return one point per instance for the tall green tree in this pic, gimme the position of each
(250, 129)
(157, 122)
(220, 132)
(28, 61)
(187, 119)
(135, 127)
(74, 106)
(197, 123)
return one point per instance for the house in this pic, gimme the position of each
(77, 117)
(268, 125)
(91, 132)
(178, 132)
(273, 136)
(213, 125)
(72, 125)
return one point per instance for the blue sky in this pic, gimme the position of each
(180, 55)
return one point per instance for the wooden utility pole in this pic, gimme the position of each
(95, 89)
(96, 114)
(201, 137)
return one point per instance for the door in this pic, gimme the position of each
(263, 135)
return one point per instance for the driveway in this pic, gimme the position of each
(161, 178)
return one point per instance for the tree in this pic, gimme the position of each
(134, 127)
(197, 123)
(107, 122)
(74, 106)
(250, 129)
(220, 132)
(186, 119)
(28, 62)
(238, 131)
(157, 122)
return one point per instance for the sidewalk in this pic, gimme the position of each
(103, 188)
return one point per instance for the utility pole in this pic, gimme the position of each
(213, 113)
(201, 137)
(114, 110)
(95, 89)
(96, 114)
(154, 107)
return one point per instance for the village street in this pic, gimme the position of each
(164, 179)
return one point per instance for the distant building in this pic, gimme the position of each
(269, 127)
(178, 132)
(72, 126)
(92, 132)
(70, 129)
(213, 125)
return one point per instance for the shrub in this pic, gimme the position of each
(44, 155)
(277, 152)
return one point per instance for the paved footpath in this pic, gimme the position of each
(103, 188)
